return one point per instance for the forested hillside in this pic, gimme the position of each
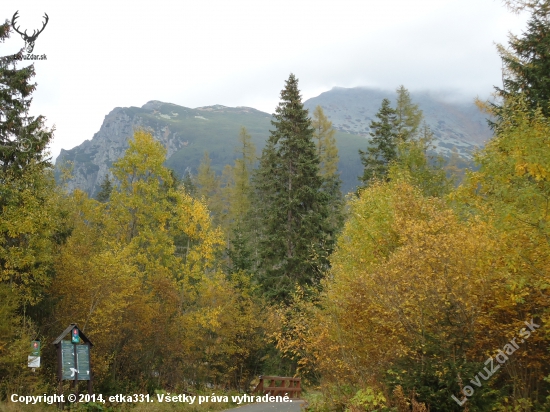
(425, 289)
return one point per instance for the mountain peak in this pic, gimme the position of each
(152, 105)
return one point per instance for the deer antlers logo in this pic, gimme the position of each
(29, 40)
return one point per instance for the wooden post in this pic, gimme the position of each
(261, 385)
(90, 390)
(60, 375)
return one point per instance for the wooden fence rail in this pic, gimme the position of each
(279, 385)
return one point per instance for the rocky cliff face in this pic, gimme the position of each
(183, 131)
(93, 158)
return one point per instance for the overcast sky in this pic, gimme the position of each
(106, 54)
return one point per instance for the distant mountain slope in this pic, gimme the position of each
(457, 125)
(186, 133)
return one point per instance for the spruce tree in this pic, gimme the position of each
(23, 138)
(295, 238)
(188, 184)
(240, 253)
(383, 149)
(106, 189)
(395, 127)
(32, 220)
(527, 64)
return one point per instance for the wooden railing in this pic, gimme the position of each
(286, 386)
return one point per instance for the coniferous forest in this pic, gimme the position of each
(426, 289)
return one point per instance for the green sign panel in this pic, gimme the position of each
(83, 361)
(35, 348)
(67, 360)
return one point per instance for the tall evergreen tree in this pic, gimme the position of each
(27, 189)
(188, 184)
(23, 138)
(106, 189)
(31, 220)
(396, 129)
(383, 149)
(294, 244)
(527, 64)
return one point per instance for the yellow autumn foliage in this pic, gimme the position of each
(139, 276)
(425, 289)
(405, 267)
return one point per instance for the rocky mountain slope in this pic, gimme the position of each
(458, 125)
(186, 133)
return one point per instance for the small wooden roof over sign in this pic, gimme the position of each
(68, 330)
